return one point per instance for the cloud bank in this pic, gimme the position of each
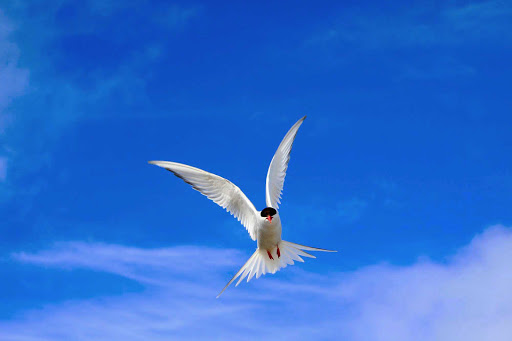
(465, 297)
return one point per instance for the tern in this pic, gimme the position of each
(272, 253)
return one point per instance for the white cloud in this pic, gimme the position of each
(466, 297)
(150, 266)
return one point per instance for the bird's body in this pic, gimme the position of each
(269, 233)
(264, 226)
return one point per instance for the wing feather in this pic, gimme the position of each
(278, 166)
(221, 191)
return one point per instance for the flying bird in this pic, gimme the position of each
(264, 227)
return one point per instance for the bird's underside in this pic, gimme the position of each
(272, 253)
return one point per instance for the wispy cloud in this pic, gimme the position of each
(412, 33)
(351, 210)
(60, 97)
(3, 168)
(438, 69)
(465, 297)
(13, 78)
(13, 83)
(177, 17)
(172, 15)
(480, 22)
(143, 265)
(484, 18)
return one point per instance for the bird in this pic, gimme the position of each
(264, 227)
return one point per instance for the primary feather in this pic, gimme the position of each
(221, 191)
(278, 166)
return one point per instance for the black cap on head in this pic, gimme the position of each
(269, 211)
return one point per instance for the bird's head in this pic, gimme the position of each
(268, 213)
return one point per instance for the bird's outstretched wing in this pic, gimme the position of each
(279, 165)
(221, 191)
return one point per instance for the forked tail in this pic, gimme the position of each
(260, 263)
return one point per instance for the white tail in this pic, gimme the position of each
(260, 263)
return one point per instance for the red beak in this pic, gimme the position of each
(269, 218)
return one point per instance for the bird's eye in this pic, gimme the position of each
(269, 211)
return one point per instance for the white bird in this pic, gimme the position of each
(272, 253)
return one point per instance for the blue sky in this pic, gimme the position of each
(403, 166)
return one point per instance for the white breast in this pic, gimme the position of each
(269, 234)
